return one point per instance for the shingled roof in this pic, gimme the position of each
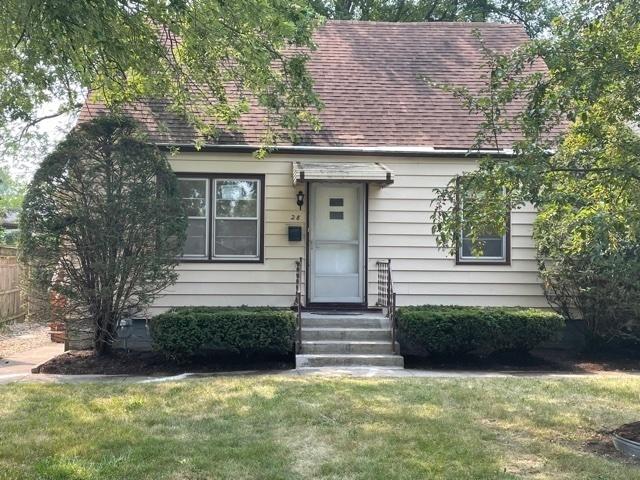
(370, 77)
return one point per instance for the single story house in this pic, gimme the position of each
(354, 194)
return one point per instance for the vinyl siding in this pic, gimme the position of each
(399, 228)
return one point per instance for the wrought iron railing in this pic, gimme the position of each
(387, 297)
(298, 304)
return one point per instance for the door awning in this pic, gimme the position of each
(341, 172)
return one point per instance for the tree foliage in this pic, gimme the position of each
(207, 57)
(102, 225)
(534, 15)
(578, 160)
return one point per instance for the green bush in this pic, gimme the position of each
(451, 330)
(185, 332)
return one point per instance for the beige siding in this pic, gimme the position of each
(399, 228)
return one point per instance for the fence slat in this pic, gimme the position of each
(12, 305)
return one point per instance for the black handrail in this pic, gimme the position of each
(387, 297)
(298, 305)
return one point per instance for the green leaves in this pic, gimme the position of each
(185, 332)
(102, 225)
(452, 330)
(577, 160)
(205, 56)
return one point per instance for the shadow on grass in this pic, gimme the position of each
(289, 428)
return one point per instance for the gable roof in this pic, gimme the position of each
(370, 77)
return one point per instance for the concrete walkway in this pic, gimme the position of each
(20, 364)
(327, 372)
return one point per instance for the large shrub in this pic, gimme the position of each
(589, 258)
(452, 330)
(184, 332)
(102, 225)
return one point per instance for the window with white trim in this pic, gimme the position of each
(490, 247)
(224, 215)
(195, 200)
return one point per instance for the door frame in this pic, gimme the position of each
(364, 245)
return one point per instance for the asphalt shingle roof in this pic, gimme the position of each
(370, 77)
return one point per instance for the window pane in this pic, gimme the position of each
(194, 196)
(196, 243)
(490, 246)
(237, 198)
(236, 237)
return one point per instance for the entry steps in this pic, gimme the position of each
(346, 339)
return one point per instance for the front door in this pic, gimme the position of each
(336, 247)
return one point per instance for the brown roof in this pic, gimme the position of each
(370, 77)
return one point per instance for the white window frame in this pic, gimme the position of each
(214, 216)
(211, 180)
(504, 259)
(207, 217)
(482, 258)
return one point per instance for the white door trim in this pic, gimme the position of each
(361, 194)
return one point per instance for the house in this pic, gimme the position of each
(350, 197)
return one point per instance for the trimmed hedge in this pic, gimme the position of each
(185, 332)
(453, 330)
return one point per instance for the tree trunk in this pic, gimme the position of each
(105, 334)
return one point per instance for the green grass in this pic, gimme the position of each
(278, 427)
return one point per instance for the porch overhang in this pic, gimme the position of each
(372, 172)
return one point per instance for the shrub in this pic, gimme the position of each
(96, 232)
(451, 330)
(185, 332)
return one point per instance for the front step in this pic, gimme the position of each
(352, 360)
(345, 346)
(346, 339)
(337, 333)
(313, 320)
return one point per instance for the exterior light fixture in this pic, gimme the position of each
(300, 199)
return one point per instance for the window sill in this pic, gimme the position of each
(220, 260)
(505, 263)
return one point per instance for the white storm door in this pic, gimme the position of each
(336, 247)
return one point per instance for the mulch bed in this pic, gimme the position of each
(602, 444)
(547, 360)
(630, 431)
(78, 362)
(86, 362)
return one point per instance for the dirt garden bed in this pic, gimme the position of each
(85, 362)
(77, 362)
(543, 360)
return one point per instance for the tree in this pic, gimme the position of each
(578, 160)
(207, 57)
(11, 196)
(102, 225)
(534, 15)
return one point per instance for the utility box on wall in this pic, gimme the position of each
(295, 233)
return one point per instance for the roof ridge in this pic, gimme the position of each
(425, 23)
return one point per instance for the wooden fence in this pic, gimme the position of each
(12, 304)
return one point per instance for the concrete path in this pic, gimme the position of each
(328, 372)
(20, 364)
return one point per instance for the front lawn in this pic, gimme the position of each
(279, 427)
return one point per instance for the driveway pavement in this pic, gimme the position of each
(19, 365)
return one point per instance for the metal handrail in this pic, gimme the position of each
(298, 305)
(387, 297)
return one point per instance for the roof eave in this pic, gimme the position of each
(341, 150)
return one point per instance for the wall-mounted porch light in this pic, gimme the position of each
(300, 199)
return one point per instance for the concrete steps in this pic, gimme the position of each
(346, 346)
(347, 321)
(337, 333)
(349, 360)
(346, 339)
